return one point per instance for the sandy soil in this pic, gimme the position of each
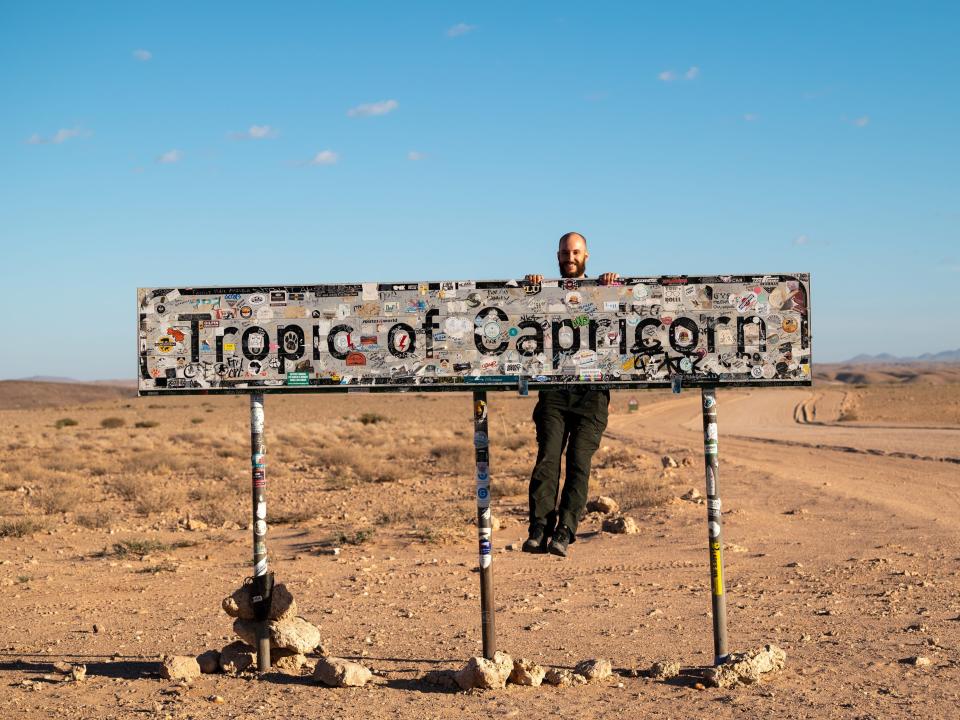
(840, 552)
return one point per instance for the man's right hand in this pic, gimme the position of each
(534, 279)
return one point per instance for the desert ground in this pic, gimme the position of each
(124, 522)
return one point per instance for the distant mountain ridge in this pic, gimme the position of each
(945, 356)
(72, 381)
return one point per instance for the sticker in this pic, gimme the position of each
(789, 325)
(709, 401)
(686, 365)
(479, 410)
(246, 312)
(260, 527)
(716, 568)
(256, 299)
(261, 511)
(491, 330)
(713, 504)
(711, 432)
(756, 371)
(165, 344)
(713, 529)
(481, 440)
(298, 378)
(258, 460)
(640, 292)
(485, 561)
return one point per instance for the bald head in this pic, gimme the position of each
(572, 255)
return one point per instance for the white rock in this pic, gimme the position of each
(527, 672)
(603, 504)
(748, 667)
(237, 657)
(337, 672)
(487, 674)
(238, 605)
(180, 667)
(620, 525)
(594, 670)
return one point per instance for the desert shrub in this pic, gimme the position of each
(138, 547)
(58, 499)
(643, 492)
(145, 424)
(158, 499)
(129, 487)
(196, 421)
(372, 418)
(154, 461)
(19, 527)
(507, 487)
(358, 537)
(374, 472)
(452, 456)
(98, 519)
(65, 422)
(112, 422)
(511, 442)
(614, 457)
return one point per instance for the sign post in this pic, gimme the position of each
(718, 597)
(262, 582)
(481, 443)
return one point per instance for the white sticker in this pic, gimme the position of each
(261, 510)
(369, 291)
(714, 529)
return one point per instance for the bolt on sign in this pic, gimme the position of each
(476, 335)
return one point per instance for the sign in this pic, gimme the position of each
(476, 335)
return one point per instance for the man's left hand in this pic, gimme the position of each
(609, 279)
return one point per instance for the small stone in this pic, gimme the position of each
(237, 657)
(746, 668)
(562, 677)
(337, 672)
(692, 495)
(180, 667)
(668, 462)
(97, 627)
(239, 605)
(209, 661)
(290, 664)
(290, 633)
(512, 547)
(216, 699)
(603, 504)
(594, 670)
(919, 661)
(195, 525)
(620, 525)
(526, 672)
(486, 674)
(664, 670)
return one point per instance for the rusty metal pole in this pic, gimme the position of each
(714, 525)
(261, 588)
(481, 443)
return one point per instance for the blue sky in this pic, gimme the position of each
(163, 144)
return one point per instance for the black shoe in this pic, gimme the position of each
(536, 542)
(561, 539)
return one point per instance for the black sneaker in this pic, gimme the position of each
(561, 539)
(536, 542)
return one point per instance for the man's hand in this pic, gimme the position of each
(609, 279)
(534, 279)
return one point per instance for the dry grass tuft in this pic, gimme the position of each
(59, 498)
(452, 456)
(112, 422)
(19, 527)
(98, 519)
(643, 492)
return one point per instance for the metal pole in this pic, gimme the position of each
(262, 586)
(714, 525)
(481, 443)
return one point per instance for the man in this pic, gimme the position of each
(574, 418)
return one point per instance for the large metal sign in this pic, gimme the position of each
(476, 335)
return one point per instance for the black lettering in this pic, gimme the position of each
(556, 325)
(226, 331)
(407, 346)
(331, 340)
(648, 345)
(689, 324)
(194, 341)
(289, 344)
(264, 343)
(428, 327)
(524, 341)
(478, 337)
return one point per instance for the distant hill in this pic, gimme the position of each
(65, 380)
(24, 395)
(887, 358)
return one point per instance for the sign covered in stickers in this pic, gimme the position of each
(476, 335)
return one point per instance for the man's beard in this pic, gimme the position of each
(580, 269)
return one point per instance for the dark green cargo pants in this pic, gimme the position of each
(574, 418)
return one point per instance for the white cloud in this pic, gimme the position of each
(667, 76)
(460, 29)
(325, 157)
(862, 121)
(415, 155)
(370, 109)
(693, 73)
(801, 240)
(171, 156)
(142, 55)
(751, 117)
(61, 136)
(255, 132)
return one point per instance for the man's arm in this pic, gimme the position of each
(609, 279)
(534, 279)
